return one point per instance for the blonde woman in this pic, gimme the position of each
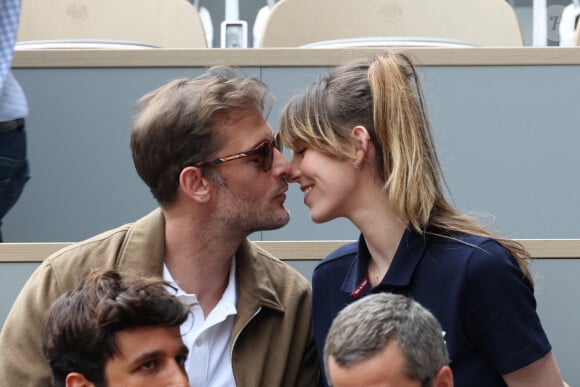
(363, 150)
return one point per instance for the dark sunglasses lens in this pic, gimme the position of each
(278, 142)
(266, 153)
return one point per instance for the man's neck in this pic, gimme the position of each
(199, 261)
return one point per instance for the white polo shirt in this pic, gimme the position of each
(209, 362)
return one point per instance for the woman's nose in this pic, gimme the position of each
(295, 171)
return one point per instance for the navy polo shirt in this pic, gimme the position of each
(473, 286)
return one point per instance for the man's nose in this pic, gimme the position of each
(280, 166)
(178, 377)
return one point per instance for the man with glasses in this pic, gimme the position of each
(208, 156)
(386, 340)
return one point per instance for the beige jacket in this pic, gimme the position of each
(272, 342)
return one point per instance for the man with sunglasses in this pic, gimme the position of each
(208, 155)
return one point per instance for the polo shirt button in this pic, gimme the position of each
(198, 342)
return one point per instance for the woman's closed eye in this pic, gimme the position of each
(300, 151)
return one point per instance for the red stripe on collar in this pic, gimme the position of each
(362, 286)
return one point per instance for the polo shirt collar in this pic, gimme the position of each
(410, 251)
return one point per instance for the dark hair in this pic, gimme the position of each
(79, 333)
(176, 125)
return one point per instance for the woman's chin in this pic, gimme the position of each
(320, 218)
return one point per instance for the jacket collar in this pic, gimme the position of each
(255, 278)
(144, 245)
(144, 248)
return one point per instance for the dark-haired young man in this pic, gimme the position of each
(116, 331)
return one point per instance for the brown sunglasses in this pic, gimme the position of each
(264, 151)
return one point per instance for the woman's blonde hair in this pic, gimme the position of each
(383, 94)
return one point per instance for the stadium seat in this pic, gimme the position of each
(568, 27)
(159, 23)
(295, 23)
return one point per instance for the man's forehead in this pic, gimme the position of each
(246, 126)
(233, 116)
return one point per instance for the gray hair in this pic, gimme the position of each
(365, 327)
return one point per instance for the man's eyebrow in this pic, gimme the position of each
(183, 350)
(147, 356)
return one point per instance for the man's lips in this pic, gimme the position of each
(282, 192)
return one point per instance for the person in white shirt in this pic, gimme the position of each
(116, 330)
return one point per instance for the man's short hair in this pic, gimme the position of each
(176, 124)
(79, 333)
(365, 327)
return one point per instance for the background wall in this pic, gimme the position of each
(508, 141)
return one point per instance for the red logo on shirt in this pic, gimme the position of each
(362, 286)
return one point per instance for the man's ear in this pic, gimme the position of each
(444, 377)
(76, 379)
(194, 185)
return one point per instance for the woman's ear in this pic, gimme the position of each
(193, 184)
(363, 139)
(362, 135)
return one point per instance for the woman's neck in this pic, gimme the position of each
(382, 232)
